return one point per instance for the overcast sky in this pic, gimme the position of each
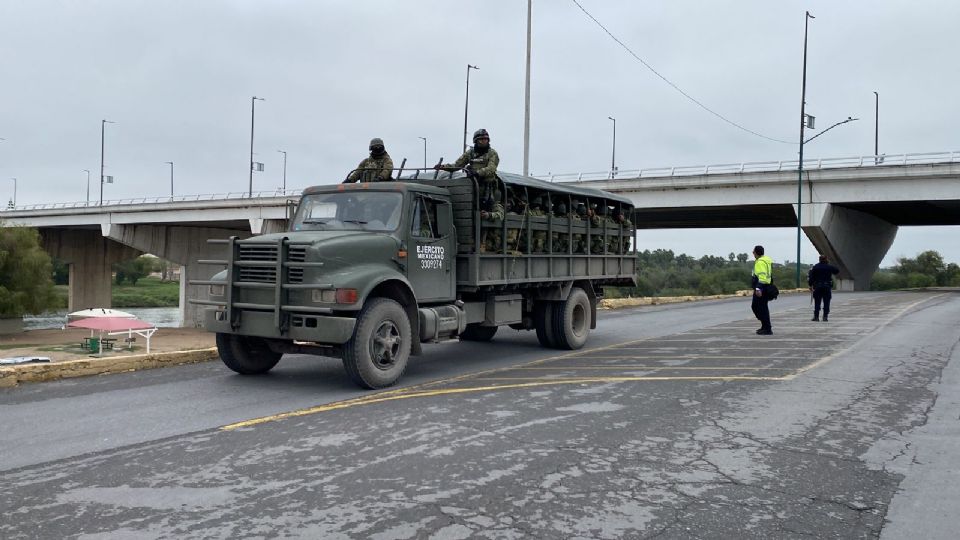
(177, 78)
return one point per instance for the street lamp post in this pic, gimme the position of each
(613, 155)
(466, 106)
(876, 128)
(14, 192)
(526, 99)
(253, 110)
(103, 124)
(803, 123)
(170, 163)
(88, 185)
(424, 151)
(284, 170)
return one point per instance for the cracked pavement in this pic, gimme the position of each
(823, 430)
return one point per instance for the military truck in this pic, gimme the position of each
(368, 272)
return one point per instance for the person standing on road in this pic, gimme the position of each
(820, 280)
(762, 277)
(376, 168)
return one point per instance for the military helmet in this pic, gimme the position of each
(562, 209)
(537, 201)
(480, 133)
(376, 141)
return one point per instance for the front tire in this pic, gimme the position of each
(247, 355)
(572, 320)
(475, 332)
(377, 354)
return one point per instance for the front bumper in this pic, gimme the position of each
(307, 327)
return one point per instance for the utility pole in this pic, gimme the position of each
(88, 185)
(466, 106)
(103, 124)
(284, 170)
(803, 123)
(613, 156)
(526, 99)
(876, 128)
(171, 178)
(424, 151)
(253, 111)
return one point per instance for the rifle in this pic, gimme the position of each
(437, 168)
(402, 164)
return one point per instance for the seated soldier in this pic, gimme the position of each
(559, 238)
(539, 237)
(516, 236)
(627, 227)
(491, 210)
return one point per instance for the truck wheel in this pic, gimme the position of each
(571, 320)
(377, 353)
(247, 355)
(475, 332)
(543, 322)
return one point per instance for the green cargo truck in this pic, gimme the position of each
(367, 272)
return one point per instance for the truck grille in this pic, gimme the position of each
(268, 253)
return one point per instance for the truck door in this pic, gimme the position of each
(432, 249)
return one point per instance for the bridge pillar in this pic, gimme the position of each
(268, 226)
(854, 241)
(184, 246)
(90, 257)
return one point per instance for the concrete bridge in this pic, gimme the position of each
(851, 210)
(851, 207)
(90, 239)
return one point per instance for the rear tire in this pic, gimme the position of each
(475, 332)
(247, 355)
(377, 354)
(543, 322)
(572, 320)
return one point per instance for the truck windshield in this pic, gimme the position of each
(367, 211)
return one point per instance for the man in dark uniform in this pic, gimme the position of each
(820, 280)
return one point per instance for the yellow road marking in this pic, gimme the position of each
(626, 367)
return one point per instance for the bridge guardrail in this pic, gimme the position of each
(883, 160)
(160, 200)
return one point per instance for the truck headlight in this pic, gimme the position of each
(324, 296)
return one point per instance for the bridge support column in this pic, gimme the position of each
(854, 241)
(184, 246)
(90, 257)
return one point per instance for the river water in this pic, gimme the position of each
(161, 317)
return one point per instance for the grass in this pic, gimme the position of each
(148, 292)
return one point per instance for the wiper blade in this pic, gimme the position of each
(357, 221)
(313, 221)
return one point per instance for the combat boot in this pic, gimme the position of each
(817, 318)
(825, 318)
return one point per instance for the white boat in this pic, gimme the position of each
(98, 312)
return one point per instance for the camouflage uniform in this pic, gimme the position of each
(376, 168)
(483, 161)
(579, 243)
(539, 238)
(489, 232)
(627, 231)
(516, 237)
(559, 238)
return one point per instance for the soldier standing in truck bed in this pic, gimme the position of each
(481, 159)
(376, 168)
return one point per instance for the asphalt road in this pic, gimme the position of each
(675, 421)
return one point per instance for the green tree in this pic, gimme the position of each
(26, 283)
(133, 269)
